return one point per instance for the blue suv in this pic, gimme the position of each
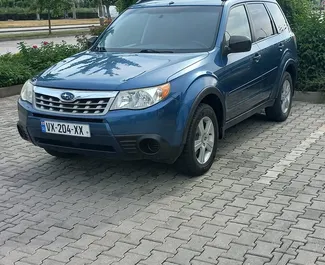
(164, 81)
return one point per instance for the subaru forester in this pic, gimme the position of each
(164, 82)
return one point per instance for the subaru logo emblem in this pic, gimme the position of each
(67, 96)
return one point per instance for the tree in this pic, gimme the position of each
(124, 4)
(52, 7)
(101, 10)
(296, 10)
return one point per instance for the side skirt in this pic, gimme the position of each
(248, 114)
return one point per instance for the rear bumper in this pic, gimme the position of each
(150, 144)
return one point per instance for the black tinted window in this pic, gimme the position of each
(261, 21)
(237, 24)
(174, 29)
(278, 17)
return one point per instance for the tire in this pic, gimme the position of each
(188, 162)
(278, 112)
(59, 154)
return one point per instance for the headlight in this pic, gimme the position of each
(27, 92)
(140, 98)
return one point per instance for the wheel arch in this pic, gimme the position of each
(292, 70)
(215, 99)
(289, 66)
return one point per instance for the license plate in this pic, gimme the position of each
(65, 128)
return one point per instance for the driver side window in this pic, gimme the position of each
(237, 24)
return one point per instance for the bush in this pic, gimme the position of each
(17, 68)
(40, 58)
(310, 33)
(311, 50)
(13, 71)
(82, 39)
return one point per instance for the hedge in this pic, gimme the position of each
(26, 14)
(311, 51)
(309, 27)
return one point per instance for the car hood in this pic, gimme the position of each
(115, 71)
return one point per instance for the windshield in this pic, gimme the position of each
(163, 29)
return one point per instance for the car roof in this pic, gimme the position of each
(153, 3)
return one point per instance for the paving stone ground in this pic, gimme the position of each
(263, 201)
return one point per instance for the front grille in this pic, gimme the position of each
(63, 118)
(84, 103)
(81, 106)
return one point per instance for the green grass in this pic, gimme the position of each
(38, 35)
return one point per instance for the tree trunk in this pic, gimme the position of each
(49, 19)
(38, 16)
(102, 21)
(74, 11)
(108, 13)
(101, 13)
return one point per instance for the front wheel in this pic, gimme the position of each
(282, 106)
(201, 144)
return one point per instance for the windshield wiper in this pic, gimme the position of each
(154, 51)
(99, 49)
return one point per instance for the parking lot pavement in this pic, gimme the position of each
(262, 202)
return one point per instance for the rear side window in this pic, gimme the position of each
(261, 21)
(278, 17)
(237, 24)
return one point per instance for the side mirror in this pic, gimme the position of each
(91, 41)
(239, 44)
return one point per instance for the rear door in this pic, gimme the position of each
(270, 49)
(283, 38)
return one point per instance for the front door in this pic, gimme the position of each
(238, 76)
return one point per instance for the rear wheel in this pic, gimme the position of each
(282, 106)
(201, 144)
(59, 154)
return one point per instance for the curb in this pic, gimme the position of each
(44, 28)
(310, 97)
(10, 91)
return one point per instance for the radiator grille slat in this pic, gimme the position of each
(95, 106)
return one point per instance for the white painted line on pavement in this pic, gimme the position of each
(291, 157)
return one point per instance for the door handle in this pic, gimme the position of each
(257, 57)
(281, 46)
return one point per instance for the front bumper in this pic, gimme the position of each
(124, 135)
